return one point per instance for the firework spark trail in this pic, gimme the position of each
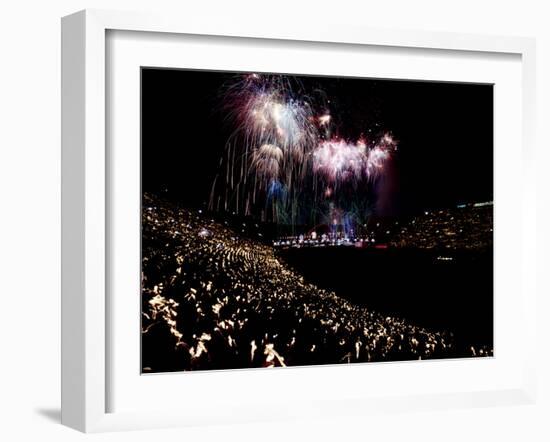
(266, 160)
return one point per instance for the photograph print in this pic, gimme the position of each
(294, 220)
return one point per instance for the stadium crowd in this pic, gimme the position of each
(213, 300)
(467, 227)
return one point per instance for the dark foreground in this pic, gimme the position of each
(440, 290)
(212, 300)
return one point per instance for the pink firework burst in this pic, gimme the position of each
(340, 161)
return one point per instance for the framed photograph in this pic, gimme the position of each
(263, 223)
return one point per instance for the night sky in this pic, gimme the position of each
(444, 130)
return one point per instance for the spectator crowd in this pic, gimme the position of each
(467, 227)
(214, 300)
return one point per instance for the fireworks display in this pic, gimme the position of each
(282, 226)
(284, 161)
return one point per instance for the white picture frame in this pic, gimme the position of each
(86, 356)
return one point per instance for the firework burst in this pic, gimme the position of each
(267, 110)
(281, 160)
(339, 162)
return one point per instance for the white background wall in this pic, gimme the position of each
(30, 214)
